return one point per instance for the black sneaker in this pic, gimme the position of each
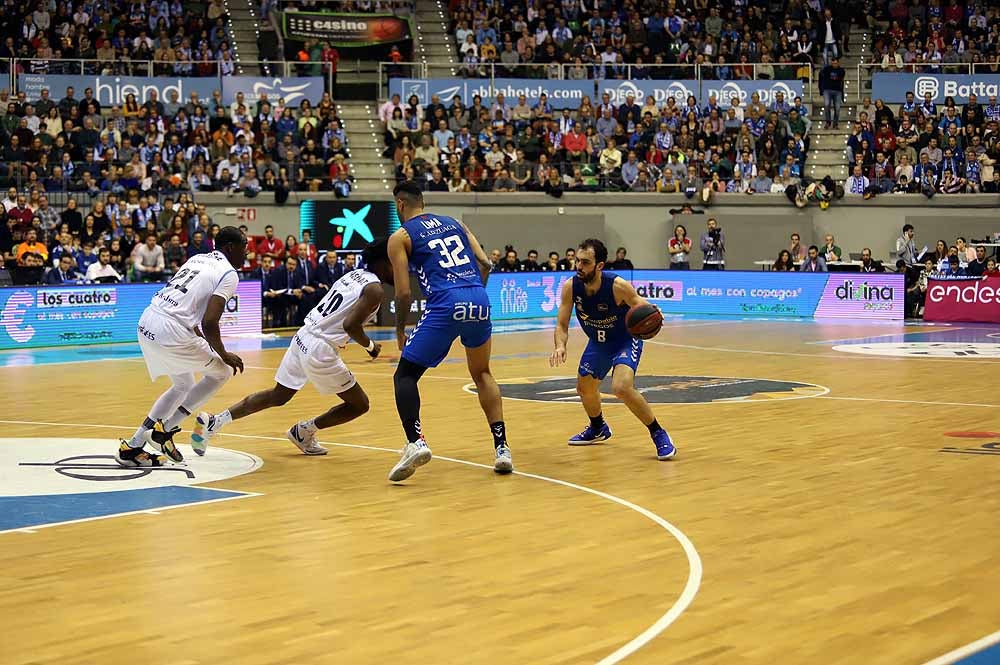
(130, 457)
(163, 441)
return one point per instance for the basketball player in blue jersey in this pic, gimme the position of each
(602, 300)
(452, 268)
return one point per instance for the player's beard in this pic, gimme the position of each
(587, 278)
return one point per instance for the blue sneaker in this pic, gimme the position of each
(664, 447)
(591, 436)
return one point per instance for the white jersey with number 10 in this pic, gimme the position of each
(326, 320)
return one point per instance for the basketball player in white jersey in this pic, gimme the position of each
(179, 336)
(312, 357)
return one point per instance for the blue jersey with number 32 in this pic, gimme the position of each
(441, 255)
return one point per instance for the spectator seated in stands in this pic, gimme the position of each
(64, 273)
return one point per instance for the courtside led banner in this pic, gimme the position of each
(759, 294)
(346, 29)
(32, 316)
(974, 299)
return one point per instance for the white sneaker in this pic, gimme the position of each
(205, 427)
(415, 453)
(305, 440)
(503, 463)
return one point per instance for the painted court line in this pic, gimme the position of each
(895, 334)
(908, 401)
(968, 650)
(834, 356)
(695, 569)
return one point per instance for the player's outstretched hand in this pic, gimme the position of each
(400, 339)
(233, 361)
(557, 358)
(374, 352)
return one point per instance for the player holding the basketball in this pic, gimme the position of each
(603, 300)
(174, 345)
(312, 356)
(452, 269)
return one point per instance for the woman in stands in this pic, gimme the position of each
(680, 249)
(784, 262)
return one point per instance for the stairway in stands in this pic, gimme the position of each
(372, 172)
(828, 154)
(434, 43)
(244, 26)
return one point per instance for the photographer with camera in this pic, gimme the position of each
(713, 245)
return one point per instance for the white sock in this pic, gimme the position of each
(309, 426)
(222, 419)
(175, 420)
(138, 440)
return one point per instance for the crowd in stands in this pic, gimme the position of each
(645, 39)
(508, 261)
(77, 144)
(511, 145)
(117, 37)
(923, 147)
(113, 239)
(936, 36)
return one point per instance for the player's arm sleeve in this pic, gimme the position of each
(226, 288)
(625, 293)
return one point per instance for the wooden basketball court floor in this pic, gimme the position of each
(845, 514)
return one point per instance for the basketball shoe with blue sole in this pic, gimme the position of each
(590, 436)
(664, 446)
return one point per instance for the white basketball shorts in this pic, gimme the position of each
(171, 349)
(310, 359)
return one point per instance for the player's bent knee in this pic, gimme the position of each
(621, 389)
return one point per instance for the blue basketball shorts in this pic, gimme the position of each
(462, 313)
(599, 358)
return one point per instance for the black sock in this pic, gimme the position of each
(597, 422)
(654, 427)
(412, 429)
(499, 434)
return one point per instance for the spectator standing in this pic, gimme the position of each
(831, 86)
(680, 249)
(906, 248)
(713, 246)
(797, 249)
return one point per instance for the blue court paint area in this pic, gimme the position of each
(25, 512)
(988, 656)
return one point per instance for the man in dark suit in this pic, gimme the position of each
(328, 272)
(307, 272)
(64, 273)
(284, 294)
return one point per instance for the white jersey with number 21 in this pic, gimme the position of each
(185, 297)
